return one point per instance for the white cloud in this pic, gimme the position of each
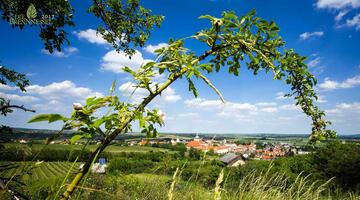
(58, 90)
(204, 104)
(349, 106)
(344, 109)
(114, 61)
(343, 7)
(169, 95)
(340, 15)
(332, 111)
(244, 112)
(6, 87)
(188, 115)
(15, 97)
(315, 62)
(354, 22)
(265, 104)
(329, 84)
(334, 85)
(337, 4)
(281, 96)
(52, 106)
(315, 65)
(321, 99)
(289, 107)
(127, 89)
(151, 48)
(224, 109)
(66, 52)
(269, 109)
(307, 35)
(91, 36)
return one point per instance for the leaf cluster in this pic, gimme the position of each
(11, 77)
(89, 123)
(126, 24)
(53, 35)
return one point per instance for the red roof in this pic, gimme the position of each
(266, 157)
(204, 148)
(143, 142)
(194, 144)
(221, 147)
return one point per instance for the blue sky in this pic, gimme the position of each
(326, 31)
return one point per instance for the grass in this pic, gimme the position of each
(255, 186)
(264, 186)
(143, 187)
(44, 180)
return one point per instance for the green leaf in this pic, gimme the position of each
(207, 81)
(90, 100)
(192, 88)
(207, 17)
(31, 12)
(148, 65)
(128, 70)
(98, 122)
(55, 117)
(46, 117)
(75, 138)
(112, 89)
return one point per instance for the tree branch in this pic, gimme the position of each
(4, 108)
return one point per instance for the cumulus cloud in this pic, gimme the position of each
(151, 48)
(228, 109)
(337, 4)
(53, 97)
(188, 115)
(21, 98)
(114, 61)
(241, 111)
(91, 36)
(290, 107)
(66, 52)
(204, 104)
(321, 99)
(341, 15)
(51, 106)
(58, 90)
(342, 109)
(343, 7)
(349, 106)
(315, 65)
(354, 22)
(269, 109)
(6, 87)
(265, 104)
(315, 62)
(334, 85)
(308, 35)
(281, 96)
(128, 89)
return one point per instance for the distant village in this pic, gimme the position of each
(267, 151)
(224, 148)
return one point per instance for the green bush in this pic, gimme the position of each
(341, 161)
